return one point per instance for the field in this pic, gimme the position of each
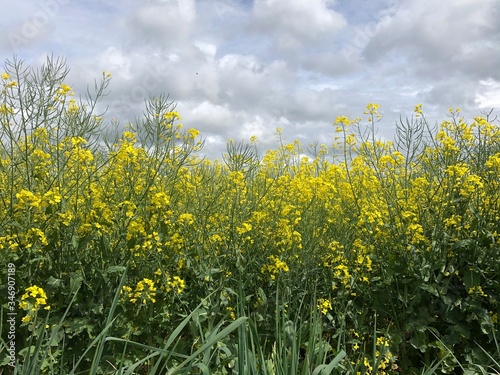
(128, 253)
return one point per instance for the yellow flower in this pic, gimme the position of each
(144, 291)
(418, 109)
(193, 133)
(275, 267)
(27, 199)
(324, 305)
(72, 106)
(33, 298)
(246, 227)
(494, 318)
(342, 120)
(177, 283)
(367, 365)
(6, 110)
(382, 341)
(63, 89)
(173, 115)
(478, 290)
(372, 109)
(186, 219)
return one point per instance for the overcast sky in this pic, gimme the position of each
(238, 68)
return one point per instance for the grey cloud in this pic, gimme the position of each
(237, 68)
(331, 63)
(296, 26)
(431, 34)
(446, 94)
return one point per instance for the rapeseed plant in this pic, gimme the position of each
(405, 230)
(32, 300)
(274, 267)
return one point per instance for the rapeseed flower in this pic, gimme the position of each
(64, 89)
(144, 292)
(175, 283)
(34, 298)
(6, 110)
(418, 110)
(324, 305)
(275, 267)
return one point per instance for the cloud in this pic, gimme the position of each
(212, 117)
(440, 37)
(295, 25)
(259, 128)
(488, 94)
(161, 22)
(238, 68)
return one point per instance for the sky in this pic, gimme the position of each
(243, 68)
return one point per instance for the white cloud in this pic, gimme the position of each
(297, 24)
(489, 95)
(259, 128)
(162, 22)
(217, 116)
(208, 49)
(429, 32)
(238, 68)
(117, 62)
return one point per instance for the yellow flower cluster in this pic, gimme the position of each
(32, 300)
(324, 305)
(477, 290)
(384, 359)
(144, 292)
(8, 83)
(63, 91)
(176, 283)
(340, 215)
(274, 267)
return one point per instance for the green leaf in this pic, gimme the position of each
(430, 288)
(52, 282)
(115, 269)
(463, 329)
(289, 332)
(463, 244)
(211, 342)
(419, 341)
(327, 369)
(203, 368)
(76, 326)
(75, 281)
(56, 337)
(104, 244)
(471, 279)
(75, 241)
(262, 296)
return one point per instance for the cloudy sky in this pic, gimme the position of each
(238, 68)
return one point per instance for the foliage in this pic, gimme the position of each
(370, 257)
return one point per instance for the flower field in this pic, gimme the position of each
(135, 255)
